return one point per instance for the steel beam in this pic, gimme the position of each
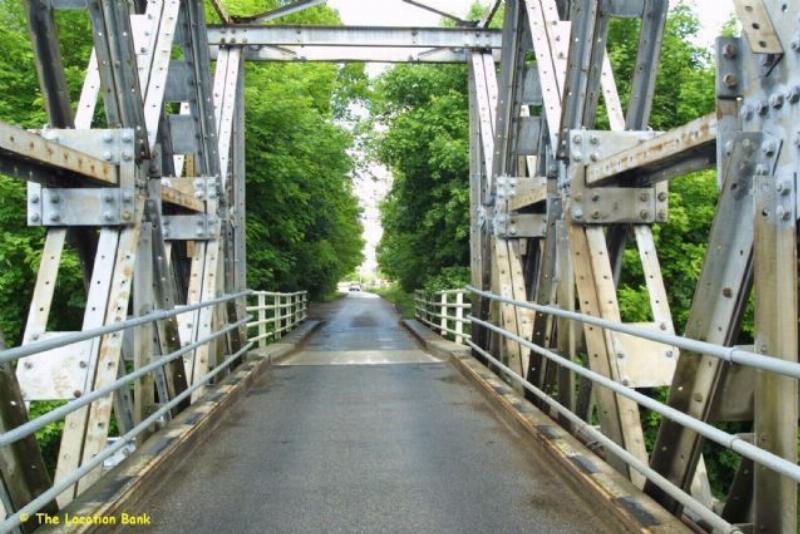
(279, 12)
(355, 54)
(688, 148)
(377, 36)
(31, 157)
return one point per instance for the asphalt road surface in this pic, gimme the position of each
(362, 431)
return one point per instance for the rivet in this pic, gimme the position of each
(727, 292)
(662, 196)
(730, 80)
(644, 214)
(776, 100)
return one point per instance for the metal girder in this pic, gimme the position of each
(584, 66)
(31, 157)
(654, 19)
(49, 64)
(716, 312)
(116, 60)
(378, 36)
(279, 12)
(685, 149)
(458, 20)
(355, 54)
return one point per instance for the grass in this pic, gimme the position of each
(402, 300)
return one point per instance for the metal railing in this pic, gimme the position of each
(444, 311)
(733, 442)
(277, 314)
(281, 319)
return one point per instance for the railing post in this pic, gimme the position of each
(277, 302)
(460, 317)
(443, 313)
(262, 319)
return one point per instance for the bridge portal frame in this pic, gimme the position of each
(554, 202)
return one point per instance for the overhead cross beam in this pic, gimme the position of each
(350, 36)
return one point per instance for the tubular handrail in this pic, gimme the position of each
(42, 500)
(24, 430)
(35, 347)
(426, 310)
(729, 354)
(295, 303)
(729, 441)
(715, 521)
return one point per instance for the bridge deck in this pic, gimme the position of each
(402, 445)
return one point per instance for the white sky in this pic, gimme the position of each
(373, 185)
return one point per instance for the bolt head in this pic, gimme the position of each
(730, 50)
(577, 213)
(776, 100)
(747, 112)
(730, 80)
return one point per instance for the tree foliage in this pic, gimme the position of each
(303, 219)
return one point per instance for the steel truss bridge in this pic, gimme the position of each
(153, 199)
